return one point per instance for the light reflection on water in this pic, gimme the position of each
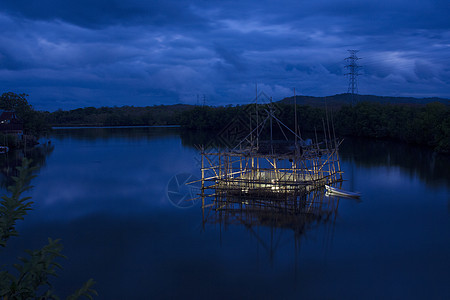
(104, 192)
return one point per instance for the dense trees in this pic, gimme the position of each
(16, 102)
(207, 117)
(119, 116)
(34, 122)
(425, 125)
(419, 124)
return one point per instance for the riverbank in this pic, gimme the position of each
(100, 126)
(427, 125)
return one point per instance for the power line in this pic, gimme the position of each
(353, 68)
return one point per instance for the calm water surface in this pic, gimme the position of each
(104, 193)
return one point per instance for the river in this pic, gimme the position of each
(106, 193)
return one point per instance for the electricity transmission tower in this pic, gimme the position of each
(353, 67)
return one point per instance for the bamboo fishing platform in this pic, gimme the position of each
(268, 172)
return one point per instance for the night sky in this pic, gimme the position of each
(70, 54)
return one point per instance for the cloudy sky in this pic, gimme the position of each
(76, 53)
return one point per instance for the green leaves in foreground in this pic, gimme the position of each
(85, 291)
(14, 208)
(32, 274)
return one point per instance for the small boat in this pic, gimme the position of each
(338, 192)
(4, 149)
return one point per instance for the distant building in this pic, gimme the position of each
(10, 123)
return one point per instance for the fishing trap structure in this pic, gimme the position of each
(259, 170)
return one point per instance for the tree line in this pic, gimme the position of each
(417, 124)
(423, 125)
(427, 124)
(119, 116)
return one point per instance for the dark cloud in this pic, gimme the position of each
(9, 61)
(230, 57)
(99, 13)
(76, 53)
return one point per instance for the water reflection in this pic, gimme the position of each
(118, 170)
(106, 133)
(104, 193)
(414, 160)
(193, 138)
(11, 160)
(299, 214)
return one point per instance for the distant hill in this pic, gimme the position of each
(342, 99)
